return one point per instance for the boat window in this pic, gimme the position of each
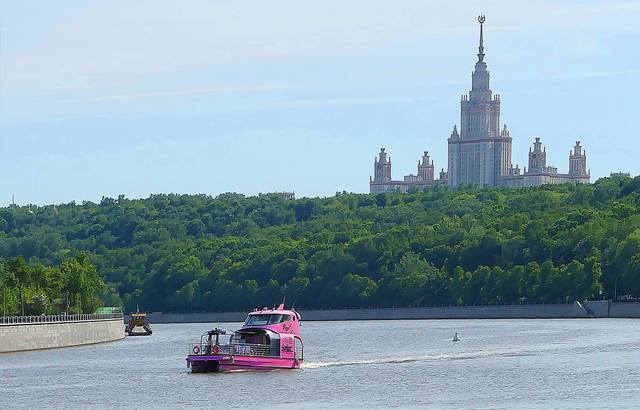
(285, 318)
(275, 319)
(257, 320)
(249, 338)
(262, 320)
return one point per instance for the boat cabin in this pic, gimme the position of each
(260, 342)
(267, 319)
(279, 320)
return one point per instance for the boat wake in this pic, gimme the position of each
(422, 358)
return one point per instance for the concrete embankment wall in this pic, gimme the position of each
(34, 336)
(599, 309)
(630, 310)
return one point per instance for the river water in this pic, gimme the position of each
(578, 363)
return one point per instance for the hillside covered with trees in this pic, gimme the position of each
(435, 247)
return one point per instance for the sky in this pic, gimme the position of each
(102, 98)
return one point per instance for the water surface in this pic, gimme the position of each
(577, 363)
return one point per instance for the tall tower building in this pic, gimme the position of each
(481, 153)
(426, 168)
(578, 161)
(382, 168)
(537, 157)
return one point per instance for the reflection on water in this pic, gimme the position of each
(498, 363)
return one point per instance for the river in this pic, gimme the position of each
(576, 363)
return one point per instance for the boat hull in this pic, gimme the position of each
(221, 363)
(138, 330)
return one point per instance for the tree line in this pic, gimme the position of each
(73, 286)
(440, 246)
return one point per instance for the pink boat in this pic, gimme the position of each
(268, 339)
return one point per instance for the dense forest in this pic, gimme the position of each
(71, 287)
(435, 247)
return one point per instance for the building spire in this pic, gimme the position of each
(481, 20)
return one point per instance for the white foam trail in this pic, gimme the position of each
(477, 354)
(441, 356)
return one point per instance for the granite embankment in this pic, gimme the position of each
(595, 309)
(46, 332)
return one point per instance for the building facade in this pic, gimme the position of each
(480, 153)
(539, 173)
(425, 176)
(620, 174)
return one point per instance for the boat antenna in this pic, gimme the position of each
(283, 299)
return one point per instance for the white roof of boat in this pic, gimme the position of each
(279, 311)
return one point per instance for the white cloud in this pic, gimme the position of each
(347, 101)
(124, 42)
(221, 89)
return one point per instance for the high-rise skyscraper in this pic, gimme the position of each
(481, 153)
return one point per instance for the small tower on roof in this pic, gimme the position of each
(425, 169)
(537, 157)
(454, 133)
(578, 161)
(382, 167)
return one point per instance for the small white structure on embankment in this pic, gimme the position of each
(46, 332)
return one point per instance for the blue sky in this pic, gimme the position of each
(120, 97)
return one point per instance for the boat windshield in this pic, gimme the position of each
(262, 320)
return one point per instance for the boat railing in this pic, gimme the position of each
(241, 349)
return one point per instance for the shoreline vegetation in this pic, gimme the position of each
(440, 246)
(71, 287)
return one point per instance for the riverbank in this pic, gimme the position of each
(592, 309)
(47, 332)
